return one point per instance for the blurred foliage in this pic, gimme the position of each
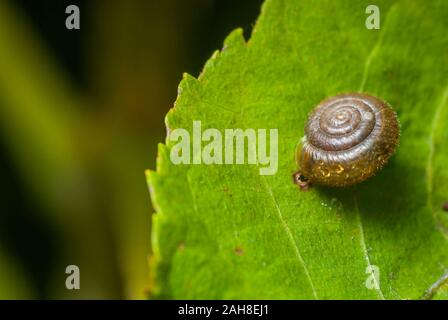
(12, 284)
(81, 114)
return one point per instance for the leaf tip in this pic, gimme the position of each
(234, 39)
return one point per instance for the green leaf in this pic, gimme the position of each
(226, 232)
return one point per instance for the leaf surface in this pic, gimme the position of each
(226, 232)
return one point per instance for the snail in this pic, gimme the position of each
(348, 138)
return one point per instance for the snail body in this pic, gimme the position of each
(348, 138)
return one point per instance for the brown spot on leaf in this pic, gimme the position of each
(239, 251)
(445, 206)
(226, 190)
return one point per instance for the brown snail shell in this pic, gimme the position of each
(348, 138)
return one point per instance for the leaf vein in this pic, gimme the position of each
(431, 292)
(364, 246)
(290, 236)
(431, 142)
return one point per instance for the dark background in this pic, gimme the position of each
(119, 75)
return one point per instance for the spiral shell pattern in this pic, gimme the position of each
(347, 139)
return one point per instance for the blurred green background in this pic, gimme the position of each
(81, 113)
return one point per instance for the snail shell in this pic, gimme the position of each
(348, 138)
